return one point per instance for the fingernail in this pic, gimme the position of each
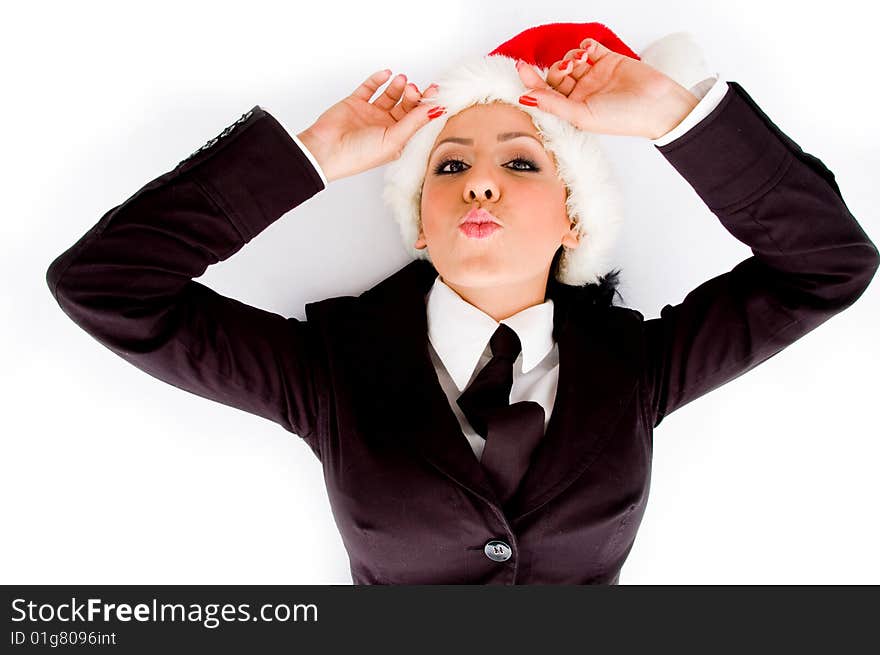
(528, 100)
(436, 111)
(563, 65)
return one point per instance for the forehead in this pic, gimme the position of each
(485, 121)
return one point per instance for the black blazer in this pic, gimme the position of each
(407, 493)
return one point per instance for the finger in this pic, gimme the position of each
(549, 99)
(530, 77)
(553, 102)
(366, 90)
(402, 131)
(564, 74)
(595, 50)
(410, 99)
(585, 87)
(566, 83)
(580, 62)
(392, 93)
(558, 76)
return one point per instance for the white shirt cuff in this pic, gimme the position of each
(710, 91)
(306, 151)
(311, 158)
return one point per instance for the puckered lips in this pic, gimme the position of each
(478, 224)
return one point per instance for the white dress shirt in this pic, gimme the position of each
(458, 336)
(459, 333)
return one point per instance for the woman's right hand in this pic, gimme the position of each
(355, 134)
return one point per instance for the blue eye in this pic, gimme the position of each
(438, 170)
(528, 162)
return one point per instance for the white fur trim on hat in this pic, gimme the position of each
(678, 56)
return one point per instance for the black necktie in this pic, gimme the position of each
(511, 431)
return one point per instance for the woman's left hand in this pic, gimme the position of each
(609, 93)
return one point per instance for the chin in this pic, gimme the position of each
(477, 272)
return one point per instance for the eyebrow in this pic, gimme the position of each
(504, 136)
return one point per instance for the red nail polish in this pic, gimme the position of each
(528, 100)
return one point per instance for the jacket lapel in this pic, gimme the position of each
(403, 393)
(597, 376)
(595, 379)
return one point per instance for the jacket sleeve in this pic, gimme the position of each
(811, 259)
(128, 282)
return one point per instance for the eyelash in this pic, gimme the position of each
(438, 169)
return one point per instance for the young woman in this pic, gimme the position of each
(485, 414)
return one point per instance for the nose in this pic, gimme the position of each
(481, 187)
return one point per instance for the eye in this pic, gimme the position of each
(439, 169)
(522, 160)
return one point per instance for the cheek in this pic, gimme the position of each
(433, 206)
(543, 206)
(436, 192)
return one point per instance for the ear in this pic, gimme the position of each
(420, 243)
(571, 239)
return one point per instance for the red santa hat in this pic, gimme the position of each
(593, 199)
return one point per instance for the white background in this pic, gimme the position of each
(111, 476)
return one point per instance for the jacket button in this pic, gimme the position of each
(497, 551)
(222, 134)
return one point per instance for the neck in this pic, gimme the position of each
(504, 301)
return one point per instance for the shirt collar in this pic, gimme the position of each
(460, 332)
